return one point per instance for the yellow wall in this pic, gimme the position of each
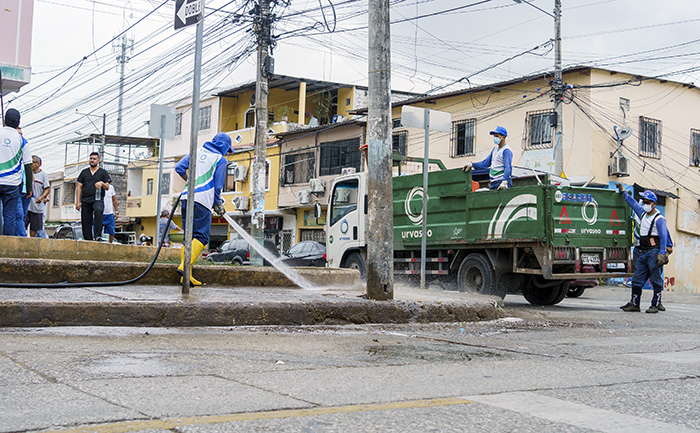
(306, 221)
(232, 109)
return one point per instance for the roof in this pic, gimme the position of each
(353, 122)
(286, 82)
(117, 140)
(524, 79)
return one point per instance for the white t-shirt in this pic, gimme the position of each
(41, 182)
(109, 209)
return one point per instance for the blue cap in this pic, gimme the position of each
(648, 195)
(499, 130)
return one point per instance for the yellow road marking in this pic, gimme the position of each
(170, 423)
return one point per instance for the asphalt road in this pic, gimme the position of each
(580, 366)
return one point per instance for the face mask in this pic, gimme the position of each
(497, 140)
(647, 208)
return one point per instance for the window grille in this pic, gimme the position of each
(462, 138)
(539, 127)
(695, 147)
(336, 155)
(399, 141)
(649, 137)
(298, 167)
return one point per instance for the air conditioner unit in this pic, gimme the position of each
(241, 202)
(317, 185)
(241, 173)
(348, 170)
(618, 166)
(304, 197)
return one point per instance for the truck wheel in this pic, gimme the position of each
(476, 275)
(539, 292)
(354, 261)
(563, 290)
(575, 291)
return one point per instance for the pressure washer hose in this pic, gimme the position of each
(66, 285)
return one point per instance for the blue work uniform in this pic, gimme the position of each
(654, 238)
(211, 175)
(500, 165)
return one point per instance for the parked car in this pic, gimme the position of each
(75, 231)
(306, 253)
(237, 252)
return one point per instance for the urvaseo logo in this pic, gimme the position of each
(413, 205)
(522, 206)
(415, 234)
(7, 142)
(344, 226)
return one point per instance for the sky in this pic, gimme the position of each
(434, 43)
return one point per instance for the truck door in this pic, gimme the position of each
(345, 220)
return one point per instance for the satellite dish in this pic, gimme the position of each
(624, 133)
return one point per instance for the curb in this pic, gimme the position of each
(186, 314)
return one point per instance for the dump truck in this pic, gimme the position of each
(532, 238)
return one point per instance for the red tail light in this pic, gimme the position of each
(324, 257)
(247, 255)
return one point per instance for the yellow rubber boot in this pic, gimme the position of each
(197, 248)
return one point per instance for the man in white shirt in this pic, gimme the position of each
(110, 213)
(37, 205)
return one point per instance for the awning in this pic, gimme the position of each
(661, 195)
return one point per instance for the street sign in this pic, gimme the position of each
(188, 12)
(154, 125)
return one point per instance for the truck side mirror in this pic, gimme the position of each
(317, 210)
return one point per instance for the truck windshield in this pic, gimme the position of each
(344, 199)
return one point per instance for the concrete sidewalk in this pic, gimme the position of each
(149, 305)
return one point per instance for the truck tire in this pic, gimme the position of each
(476, 275)
(563, 290)
(575, 291)
(539, 292)
(355, 261)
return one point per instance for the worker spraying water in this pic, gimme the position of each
(211, 175)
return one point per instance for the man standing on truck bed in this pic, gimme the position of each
(653, 240)
(499, 162)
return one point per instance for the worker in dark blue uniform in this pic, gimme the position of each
(653, 255)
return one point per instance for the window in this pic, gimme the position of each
(336, 155)
(398, 142)
(249, 118)
(298, 167)
(396, 123)
(165, 184)
(343, 199)
(57, 196)
(695, 147)
(539, 127)
(462, 140)
(69, 193)
(149, 187)
(230, 184)
(178, 124)
(649, 137)
(204, 118)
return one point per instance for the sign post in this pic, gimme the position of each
(188, 12)
(162, 124)
(415, 117)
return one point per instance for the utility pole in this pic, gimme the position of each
(261, 27)
(122, 59)
(380, 218)
(558, 93)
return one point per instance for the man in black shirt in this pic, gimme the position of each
(92, 182)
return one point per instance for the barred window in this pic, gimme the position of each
(298, 167)
(57, 196)
(149, 187)
(205, 118)
(649, 137)
(178, 124)
(396, 123)
(539, 127)
(695, 147)
(398, 142)
(462, 139)
(165, 184)
(336, 155)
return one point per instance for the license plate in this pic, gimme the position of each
(590, 259)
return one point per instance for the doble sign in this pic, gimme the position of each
(188, 12)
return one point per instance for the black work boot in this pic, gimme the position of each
(652, 309)
(630, 307)
(661, 307)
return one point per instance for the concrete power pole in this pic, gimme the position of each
(558, 93)
(261, 28)
(122, 59)
(380, 219)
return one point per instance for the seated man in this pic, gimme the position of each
(499, 162)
